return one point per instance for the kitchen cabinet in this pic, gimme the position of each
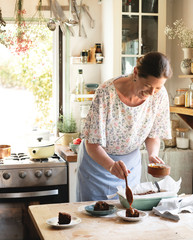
(184, 113)
(136, 28)
(71, 158)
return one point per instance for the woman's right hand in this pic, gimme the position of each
(119, 169)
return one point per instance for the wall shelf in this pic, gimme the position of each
(186, 76)
(184, 113)
(85, 97)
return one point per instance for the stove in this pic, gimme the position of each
(19, 170)
(24, 182)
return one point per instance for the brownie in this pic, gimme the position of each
(64, 218)
(131, 212)
(101, 206)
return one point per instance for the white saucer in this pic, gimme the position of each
(122, 214)
(54, 222)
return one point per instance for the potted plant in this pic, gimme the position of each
(185, 37)
(68, 128)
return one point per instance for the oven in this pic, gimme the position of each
(24, 183)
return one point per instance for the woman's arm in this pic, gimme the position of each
(153, 146)
(98, 154)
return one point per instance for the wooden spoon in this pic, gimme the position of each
(128, 192)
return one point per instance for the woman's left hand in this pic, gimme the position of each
(155, 159)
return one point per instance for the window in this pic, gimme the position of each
(26, 85)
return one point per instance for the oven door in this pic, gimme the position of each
(15, 222)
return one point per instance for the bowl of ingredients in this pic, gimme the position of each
(74, 145)
(158, 170)
(91, 87)
(146, 202)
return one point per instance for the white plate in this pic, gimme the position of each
(54, 222)
(122, 214)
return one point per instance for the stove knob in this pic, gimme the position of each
(38, 173)
(22, 174)
(48, 173)
(6, 175)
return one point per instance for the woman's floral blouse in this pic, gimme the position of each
(119, 128)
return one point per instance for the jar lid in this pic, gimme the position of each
(182, 129)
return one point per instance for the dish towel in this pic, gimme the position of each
(170, 207)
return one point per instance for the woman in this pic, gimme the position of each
(125, 112)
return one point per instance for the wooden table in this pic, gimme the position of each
(109, 228)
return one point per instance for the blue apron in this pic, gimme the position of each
(94, 182)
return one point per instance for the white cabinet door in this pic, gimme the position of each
(72, 168)
(130, 31)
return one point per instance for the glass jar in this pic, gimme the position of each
(182, 140)
(179, 98)
(84, 56)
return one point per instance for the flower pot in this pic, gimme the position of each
(68, 137)
(186, 62)
(188, 52)
(186, 66)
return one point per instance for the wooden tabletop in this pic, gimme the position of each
(108, 228)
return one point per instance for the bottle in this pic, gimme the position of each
(191, 95)
(187, 97)
(80, 84)
(98, 53)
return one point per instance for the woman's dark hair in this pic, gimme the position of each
(154, 64)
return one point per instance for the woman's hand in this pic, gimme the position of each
(119, 169)
(155, 159)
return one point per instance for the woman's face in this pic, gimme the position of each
(145, 87)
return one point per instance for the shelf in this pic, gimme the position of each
(77, 61)
(84, 96)
(186, 76)
(181, 110)
(184, 113)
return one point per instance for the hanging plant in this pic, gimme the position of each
(17, 37)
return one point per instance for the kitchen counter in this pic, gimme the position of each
(66, 153)
(103, 228)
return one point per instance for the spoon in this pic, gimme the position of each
(128, 192)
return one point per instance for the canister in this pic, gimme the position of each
(182, 140)
(179, 99)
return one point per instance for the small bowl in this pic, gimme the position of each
(158, 170)
(74, 147)
(5, 151)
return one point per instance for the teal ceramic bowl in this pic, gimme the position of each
(74, 147)
(144, 204)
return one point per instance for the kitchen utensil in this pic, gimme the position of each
(128, 192)
(70, 22)
(42, 149)
(5, 151)
(157, 185)
(51, 23)
(158, 170)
